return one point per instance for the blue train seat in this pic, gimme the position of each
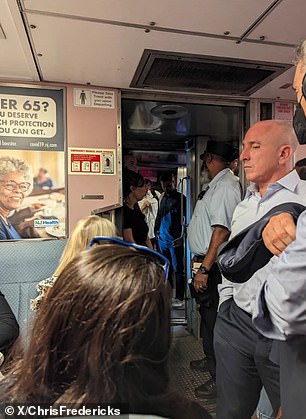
(23, 264)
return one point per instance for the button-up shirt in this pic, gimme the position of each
(290, 188)
(280, 309)
(214, 209)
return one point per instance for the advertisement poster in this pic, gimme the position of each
(32, 164)
(91, 161)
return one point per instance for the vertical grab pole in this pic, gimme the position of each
(180, 188)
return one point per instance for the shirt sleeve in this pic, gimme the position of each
(225, 290)
(224, 202)
(280, 309)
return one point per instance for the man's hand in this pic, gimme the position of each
(200, 281)
(177, 242)
(278, 233)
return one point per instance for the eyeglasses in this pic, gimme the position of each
(162, 261)
(12, 185)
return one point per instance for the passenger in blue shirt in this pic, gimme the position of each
(169, 232)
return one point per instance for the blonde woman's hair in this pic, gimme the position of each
(86, 228)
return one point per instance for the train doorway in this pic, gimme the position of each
(169, 134)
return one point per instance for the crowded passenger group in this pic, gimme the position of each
(101, 329)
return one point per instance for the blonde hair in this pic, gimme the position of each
(86, 228)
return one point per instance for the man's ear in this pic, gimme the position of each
(285, 153)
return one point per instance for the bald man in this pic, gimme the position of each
(280, 312)
(242, 353)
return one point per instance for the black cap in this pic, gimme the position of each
(225, 150)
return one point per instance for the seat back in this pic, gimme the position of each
(23, 264)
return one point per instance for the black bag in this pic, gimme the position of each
(202, 298)
(244, 254)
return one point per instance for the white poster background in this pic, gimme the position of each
(27, 116)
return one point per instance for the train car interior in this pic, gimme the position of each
(180, 73)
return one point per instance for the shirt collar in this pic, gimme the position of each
(218, 176)
(289, 181)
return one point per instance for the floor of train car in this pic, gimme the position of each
(184, 348)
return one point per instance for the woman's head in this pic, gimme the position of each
(16, 182)
(85, 229)
(133, 184)
(103, 332)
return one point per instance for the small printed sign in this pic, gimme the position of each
(108, 166)
(94, 98)
(91, 161)
(82, 97)
(284, 111)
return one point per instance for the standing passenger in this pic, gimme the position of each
(208, 228)
(149, 207)
(242, 354)
(135, 229)
(280, 311)
(169, 232)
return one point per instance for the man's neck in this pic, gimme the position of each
(214, 171)
(262, 187)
